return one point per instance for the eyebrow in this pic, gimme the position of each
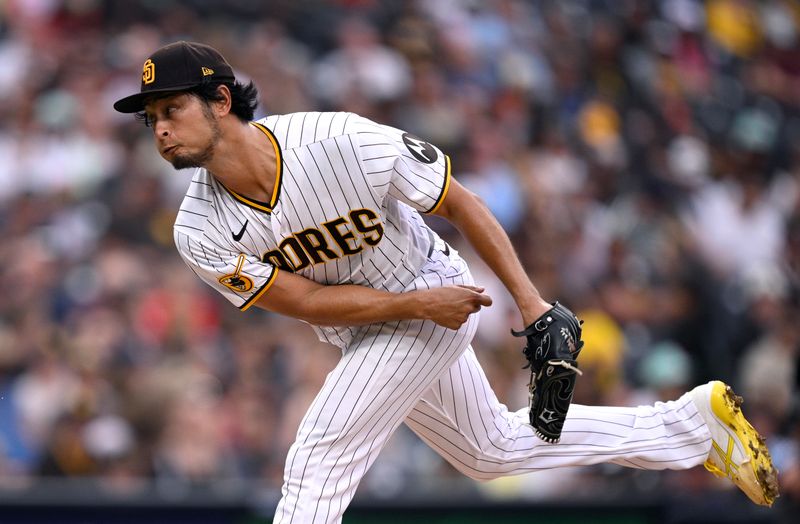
(161, 96)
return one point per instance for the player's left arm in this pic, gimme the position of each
(470, 215)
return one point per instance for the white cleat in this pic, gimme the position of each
(738, 452)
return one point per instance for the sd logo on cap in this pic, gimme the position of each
(177, 67)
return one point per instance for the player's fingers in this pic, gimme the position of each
(484, 300)
(476, 289)
(479, 297)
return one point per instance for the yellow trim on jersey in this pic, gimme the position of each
(276, 190)
(266, 207)
(447, 176)
(246, 201)
(252, 300)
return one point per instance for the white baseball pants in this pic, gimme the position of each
(428, 377)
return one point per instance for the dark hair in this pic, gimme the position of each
(244, 98)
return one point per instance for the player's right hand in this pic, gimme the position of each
(450, 306)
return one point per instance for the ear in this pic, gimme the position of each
(222, 107)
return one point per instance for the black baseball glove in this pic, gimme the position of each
(553, 344)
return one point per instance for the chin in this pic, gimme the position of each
(183, 165)
(182, 162)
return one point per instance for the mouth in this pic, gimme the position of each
(168, 150)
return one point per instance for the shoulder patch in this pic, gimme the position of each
(419, 149)
(238, 283)
(235, 281)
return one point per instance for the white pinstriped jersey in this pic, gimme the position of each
(345, 210)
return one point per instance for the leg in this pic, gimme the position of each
(379, 379)
(462, 420)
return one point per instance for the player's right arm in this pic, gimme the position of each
(352, 305)
(246, 280)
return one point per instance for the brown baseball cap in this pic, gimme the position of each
(177, 67)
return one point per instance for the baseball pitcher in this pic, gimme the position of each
(318, 216)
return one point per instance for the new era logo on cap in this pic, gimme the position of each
(177, 67)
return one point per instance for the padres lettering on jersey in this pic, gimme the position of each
(312, 246)
(345, 209)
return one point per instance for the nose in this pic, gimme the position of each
(161, 129)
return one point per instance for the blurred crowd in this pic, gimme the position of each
(644, 157)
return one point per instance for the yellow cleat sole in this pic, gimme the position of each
(757, 477)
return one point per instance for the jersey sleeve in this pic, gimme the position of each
(403, 166)
(240, 278)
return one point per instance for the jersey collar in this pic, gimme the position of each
(266, 207)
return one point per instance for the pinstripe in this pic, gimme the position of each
(399, 190)
(188, 226)
(358, 341)
(595, 432)
(311, 187)
(339, 183)
(398, 248)
(464, 397)
(330, 125)
(198, 198)
(362, 412)
(403, 396)
(302, 128)
(410, 183)
(322, 212)
(390, 414)
(338, 373)
(342, 197)
(441, 350)
(489, 399)
(346, 117)
(508, 463)
(321, 178)
(360, 169)
(412, 371)
(205, 254)
(370, 159)
(492, 473)
(301, 195)
(263, 235)
(386, 384)
(306, 424)
(216, 230)
(577, 451)
(477, 399)
(352, 383)
(441, 438)
(316, 126)
(418, 174)
(183, 209)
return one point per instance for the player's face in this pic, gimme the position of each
(185, 130)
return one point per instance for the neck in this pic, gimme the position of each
(244, 161)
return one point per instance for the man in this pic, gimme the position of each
(317, 216)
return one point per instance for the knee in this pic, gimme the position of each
(477, 469)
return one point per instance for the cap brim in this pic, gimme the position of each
(135, 102)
